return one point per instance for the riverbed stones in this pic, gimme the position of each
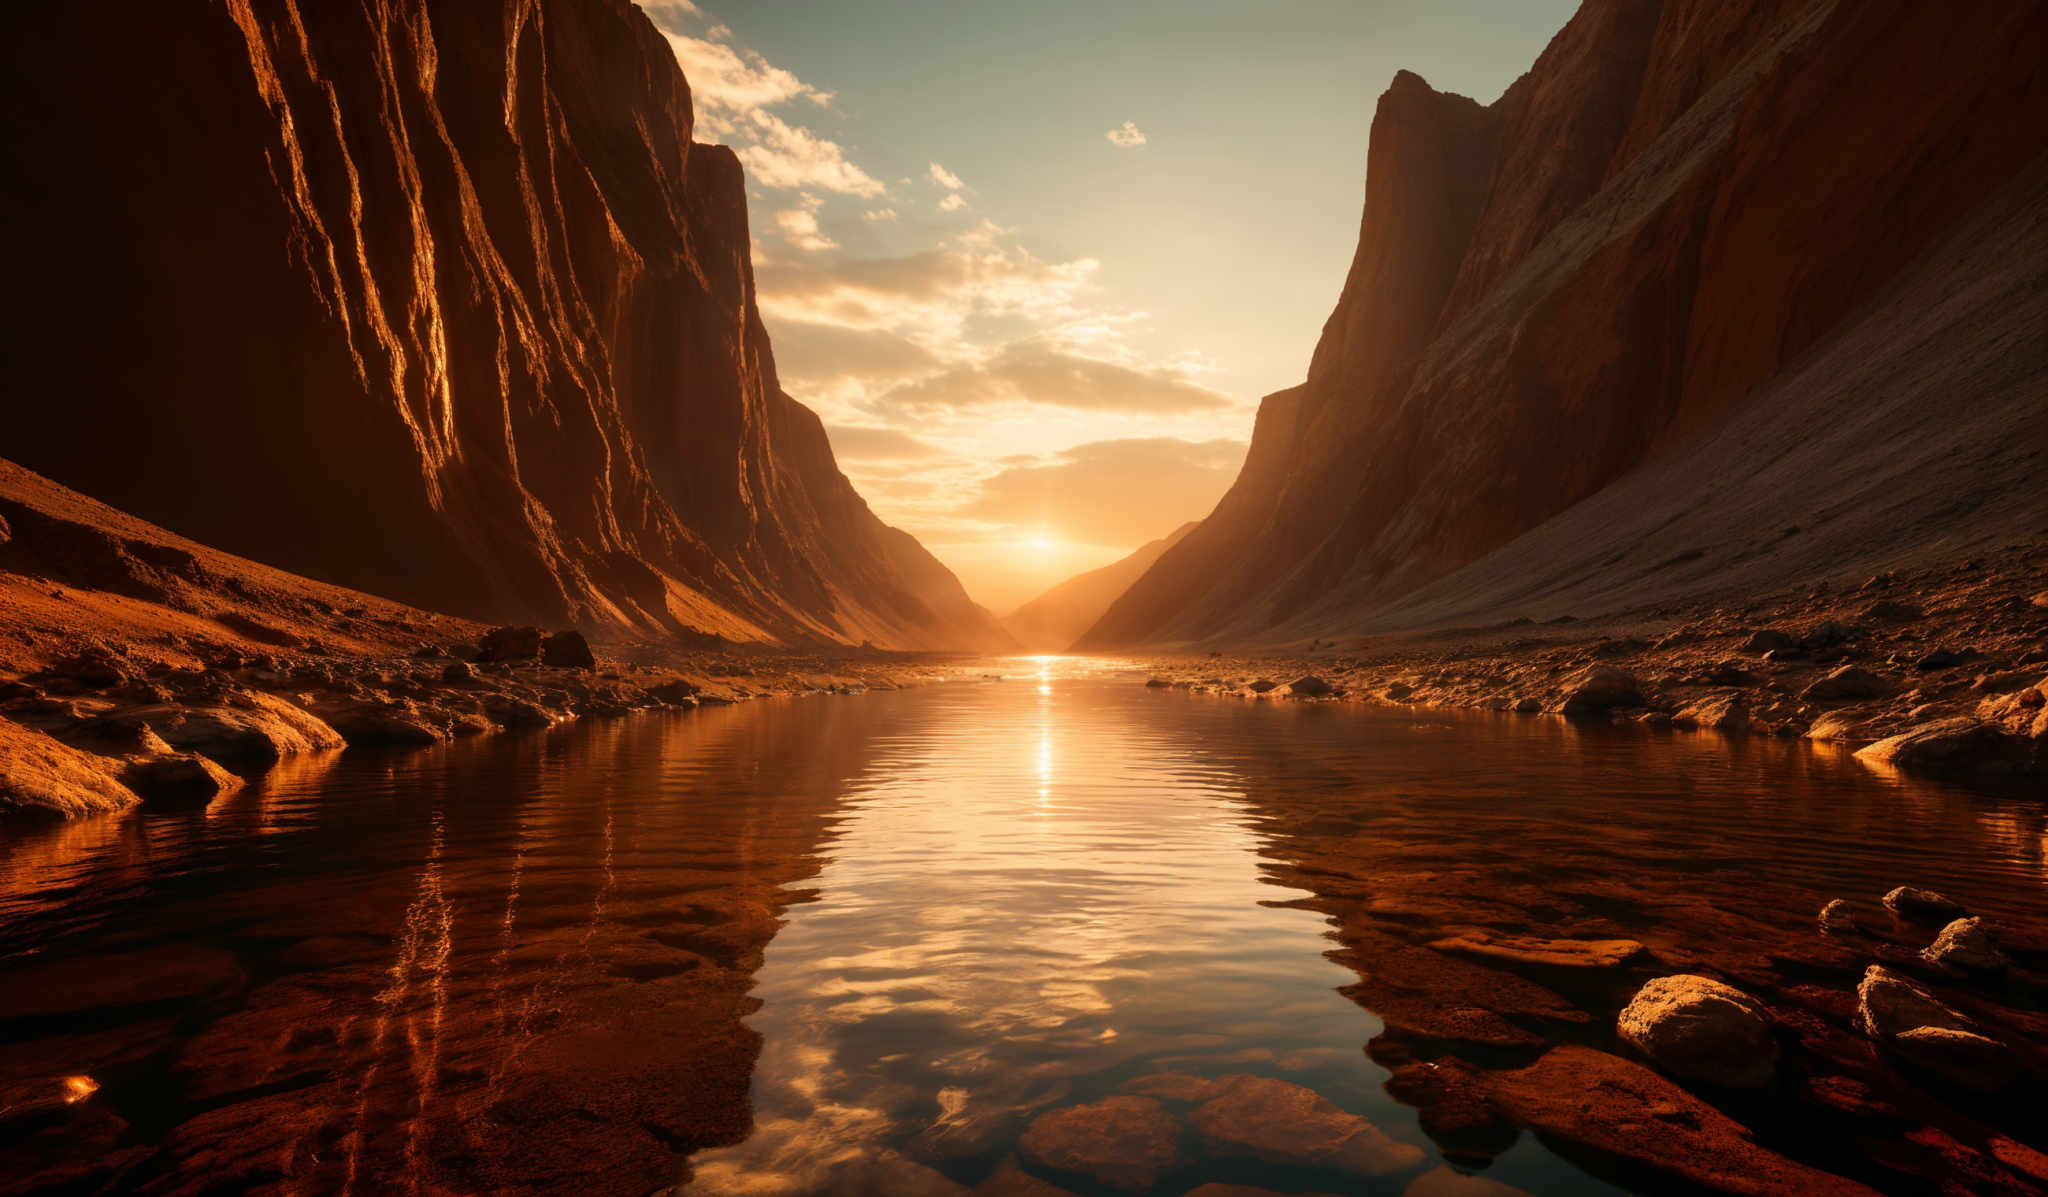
(1703, 1030)
(1923, 905)
(1281, 1123)
(1122, 1142)
(1966, 944)
(1600, 688)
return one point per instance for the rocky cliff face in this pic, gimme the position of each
(1052, 622)
(1683, 205)
(436, 299)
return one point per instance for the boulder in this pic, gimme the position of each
(510, 644)
(1924, 905)
(179, 777)
(245, 725)
(1845, 683)
(1828, 634)
(1718, 712)
(457, 672)
(1967, 1058)
(1122, 1142)
(1600, 688)
(41, 776)
(1889, 1005)
(94, 668)
(1702, 1030)
(1958, 743)
(1284, 1124)
(674, 693)
(1966, 944)
(567, 650)
(1767, 641)
(1309, 687)
(1836, 919)
(1263, 685)
(1398, 691)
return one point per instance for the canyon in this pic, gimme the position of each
(1718, 299)
(438, 301)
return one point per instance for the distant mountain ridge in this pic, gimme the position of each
(1651, 268)
(1052, 622)
(437, 299)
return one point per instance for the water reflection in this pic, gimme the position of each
(848, 945)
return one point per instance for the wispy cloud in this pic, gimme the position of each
(953, 202)
(736, 91)
(945, 178)
(1126, 135)
(800, 229)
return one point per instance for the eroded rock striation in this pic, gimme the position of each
(1688, 309)
(434, 299)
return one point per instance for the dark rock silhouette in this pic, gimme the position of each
(1716, 297)
(434, 299)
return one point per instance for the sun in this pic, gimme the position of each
(1041, 542)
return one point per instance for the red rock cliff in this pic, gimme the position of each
(1681, 202)
(433, 298)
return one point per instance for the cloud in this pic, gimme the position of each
(784, 156)
(1114, 492)
(855, 443)
(734, 90)
(1045, 373)
(946, 178)
(1126, 135)
(800, 229)
(823, 353)
(930, 298)
(873, 214)
(953, 203)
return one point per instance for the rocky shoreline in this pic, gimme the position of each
(1938, 669)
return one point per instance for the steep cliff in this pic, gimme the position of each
(433, 298)
(1683, 207)
(1052, 622)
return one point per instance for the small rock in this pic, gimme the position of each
(94, 668)
(1836, 919)
(675, 693)
(185, 777)
(1157, 683)
(1891, 611)
(1719, 712)
(1941, 658)
(1924, 905)
(1702, 1030)
(1967, 1058)
(567, 650)
(458, 671)
(1398, 691)
(1888, 1005)
(1847, 682)
(1527, 706)
(1966, 944)
(1122, 1142)
(1827, 635)
(1263, 685)
(1309, 687)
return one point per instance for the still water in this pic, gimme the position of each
(859, 944)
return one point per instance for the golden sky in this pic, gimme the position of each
(1034, 266)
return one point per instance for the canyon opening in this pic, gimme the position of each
(788, 598)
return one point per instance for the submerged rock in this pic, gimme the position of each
(1924, 904)
(1277, 1122)
(1700, 1029)
(1966, 944)
(1122, 1142)
(1836, 919)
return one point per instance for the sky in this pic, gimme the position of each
(1035, 264)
